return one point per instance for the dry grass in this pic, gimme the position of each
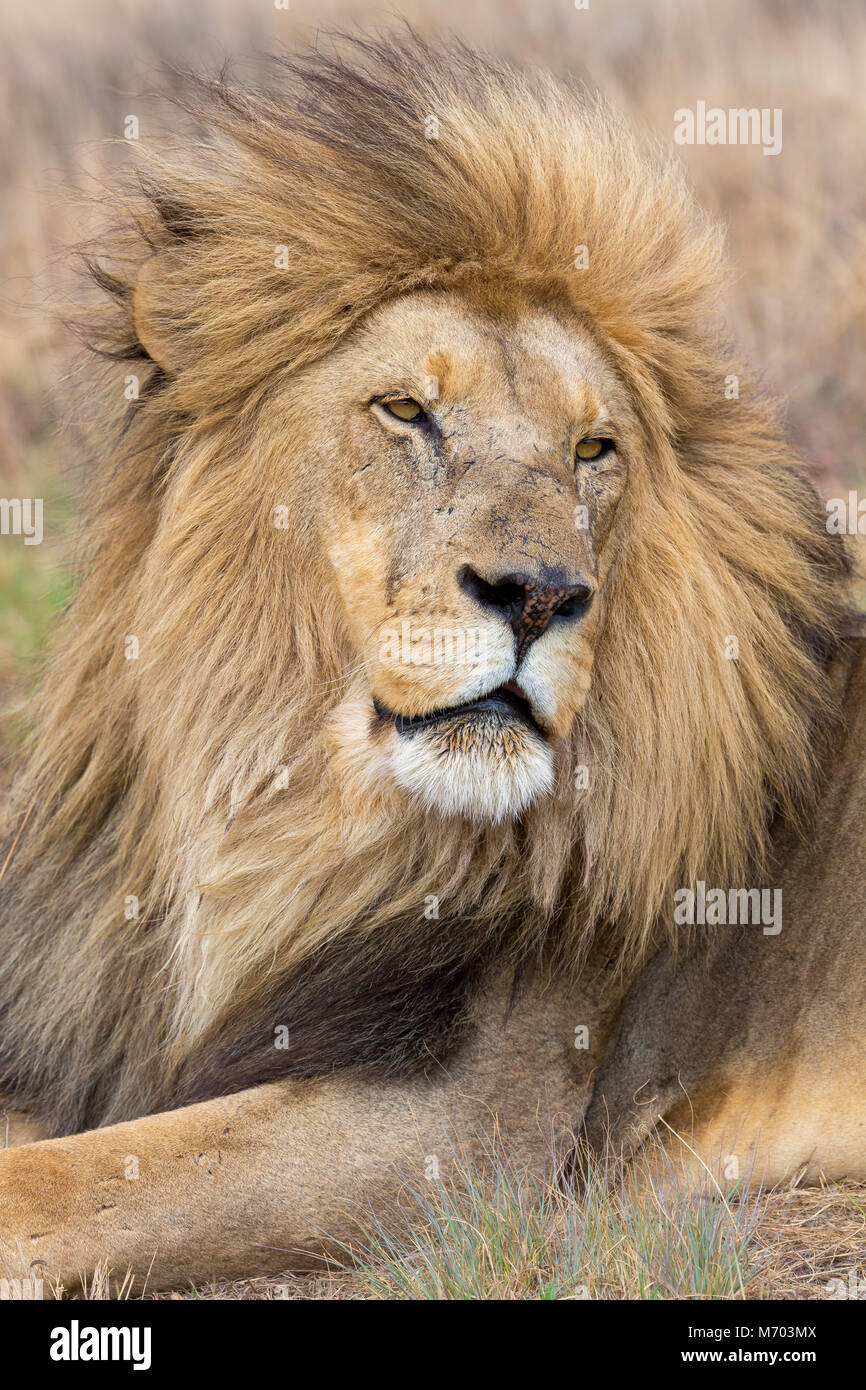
(815, 1238)
(69, 75)
(491, 1234)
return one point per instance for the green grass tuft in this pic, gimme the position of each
(492, 1232)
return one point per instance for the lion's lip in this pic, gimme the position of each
(508, 701)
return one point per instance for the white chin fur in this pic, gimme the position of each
(487, 773)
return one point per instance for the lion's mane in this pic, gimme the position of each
(170, 899)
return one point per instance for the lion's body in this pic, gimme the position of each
(754, 1050)
(257, 846)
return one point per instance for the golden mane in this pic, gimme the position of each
(170, 885)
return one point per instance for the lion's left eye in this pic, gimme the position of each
(594, 448)
(404, 408)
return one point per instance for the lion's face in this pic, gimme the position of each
(473, 467)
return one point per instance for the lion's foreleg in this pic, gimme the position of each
(247, 1184)
(277, 1177)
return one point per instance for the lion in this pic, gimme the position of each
(442, 619)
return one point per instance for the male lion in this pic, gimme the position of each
(442, 620)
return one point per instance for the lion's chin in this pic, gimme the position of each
(486, 770)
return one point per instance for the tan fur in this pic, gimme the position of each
(284, 1175)
(232, 777)
(754, 1051)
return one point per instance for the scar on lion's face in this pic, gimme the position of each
(470, 532)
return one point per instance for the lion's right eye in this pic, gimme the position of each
(591, 449)
(404, 408)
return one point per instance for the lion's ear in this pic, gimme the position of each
(150, 314)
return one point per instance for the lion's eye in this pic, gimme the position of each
(404, 408)
(593, 448)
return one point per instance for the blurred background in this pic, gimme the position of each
(72, 70)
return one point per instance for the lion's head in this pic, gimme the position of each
(463, 463)
(445, 556)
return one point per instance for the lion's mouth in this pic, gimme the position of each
(505, 702)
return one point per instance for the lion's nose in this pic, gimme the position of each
(529, 603)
